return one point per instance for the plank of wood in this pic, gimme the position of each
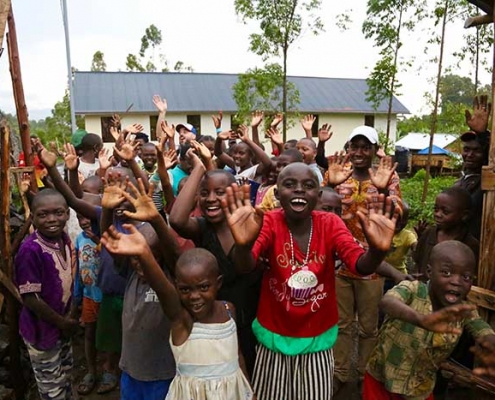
(482, 297)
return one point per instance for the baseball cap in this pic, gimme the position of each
(188, 127)
(367, 131)
(467, 136)
(77, 137)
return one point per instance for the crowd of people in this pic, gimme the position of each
(212, 269)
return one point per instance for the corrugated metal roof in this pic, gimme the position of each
(419, 141)
(107, 92)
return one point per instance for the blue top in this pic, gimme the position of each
(177, 175)
(88, 265)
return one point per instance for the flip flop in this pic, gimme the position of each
(87, 384)
(108, 383)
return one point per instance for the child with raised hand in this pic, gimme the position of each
(423, 326)
(307, 148)
(203, 330)
(44, 267)
(451, 212)
(355, 182)
(297, 317)
(211, 232)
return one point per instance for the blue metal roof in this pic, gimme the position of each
(108, 92)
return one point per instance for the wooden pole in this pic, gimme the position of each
(20, 102)
(6, 262)
(486, 269)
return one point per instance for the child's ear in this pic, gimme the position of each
(466, 215)
(219, 281)
(276, 194)
(428, 271)
(320, 193)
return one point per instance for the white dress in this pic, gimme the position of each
(208, 365)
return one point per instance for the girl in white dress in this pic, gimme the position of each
(203, 331)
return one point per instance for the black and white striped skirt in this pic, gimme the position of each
(303, 377)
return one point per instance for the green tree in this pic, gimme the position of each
(456, 89)
(98, 63)
(58, 125)
(146, 59)
(259, 89)
(385, 22)
(281, 23)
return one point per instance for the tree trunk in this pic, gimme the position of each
(433, 126)
(477, 60)
(392, 83)
(4, 12)
(284, 97)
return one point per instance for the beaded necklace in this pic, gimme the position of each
(306, 259)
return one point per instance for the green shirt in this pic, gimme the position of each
(406, 357)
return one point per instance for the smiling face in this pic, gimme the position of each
(197, 282)
(50, 214)
(473, 156)
(307, 148)
(241, 155)
(451, 273)
(298, 191)
(212, 190)
(148, 155)
(361, 152)
(185, 136)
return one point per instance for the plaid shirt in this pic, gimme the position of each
(407, 357)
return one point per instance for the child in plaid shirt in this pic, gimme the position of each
(423, 324)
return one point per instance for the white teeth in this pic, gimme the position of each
(299, 201)
(213, 208)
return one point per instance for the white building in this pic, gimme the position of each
(194, 97)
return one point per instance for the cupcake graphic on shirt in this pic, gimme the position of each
(301, 284)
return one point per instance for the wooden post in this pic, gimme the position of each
(6, 262)
(20, 102)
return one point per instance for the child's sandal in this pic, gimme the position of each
(108, 383)
(87, 384)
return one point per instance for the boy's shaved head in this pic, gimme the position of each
(308, 142)
(297, 166)
(198, 256)
(44, 196)
(451, 248)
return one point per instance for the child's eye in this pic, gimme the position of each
(60, 213)
(467, 278)
(42, 215)
(204, 288)
(184, 290)
(219, 192)
(203, 193)
(445, 272)
(309, 185)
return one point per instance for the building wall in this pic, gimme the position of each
(342, 125)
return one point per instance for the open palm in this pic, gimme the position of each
(338, 169)
(244, 221)
(444, 320)
(141, 201)
(381, 176)
(130, 244)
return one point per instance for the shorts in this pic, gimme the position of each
(109, 324)
(375, 390)
(133, 389)
(89, 310)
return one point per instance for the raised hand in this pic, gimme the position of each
(170, 158)
(226, 135)
(338, 168)
(127, 151)
(168, 130)
(134, 128)
(217, 120)
(324, 133)
(381, 177)
(160, 104)
(485, 353)
(116, 122)
(131, 244)
(279, 117)
(104, 158)
(141, 201)
(379, 222)
(380, 153)
(256, 118)
(48, 158)
(70, 158)
(445, 319)
(25, 184)
(243, 133)
(308, 121)
(115, 133)
(201, 150)
(275, 136)
(193, 157)
(244, 221)
(420, 227)
(478, 121)
(113, 188)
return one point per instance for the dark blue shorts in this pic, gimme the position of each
(133, 389)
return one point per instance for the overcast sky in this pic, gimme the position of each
(204, 34)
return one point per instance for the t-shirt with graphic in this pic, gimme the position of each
(41, 268)
(401, 244)
(88, 265)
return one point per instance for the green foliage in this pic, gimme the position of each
(260, 89)
(146, 62)
(98, 63)
(411, 192)
(382, 139)
(58, 125)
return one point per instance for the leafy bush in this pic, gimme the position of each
(412, 190)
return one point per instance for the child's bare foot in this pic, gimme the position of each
(108, 383)
(87, 384)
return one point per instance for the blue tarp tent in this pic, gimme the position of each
(435, 150)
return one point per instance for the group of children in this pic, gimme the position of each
(219, 272)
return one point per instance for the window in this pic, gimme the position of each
(106, 124)
(195, 120)
(369, 120)
(314, 128)
(153, 122)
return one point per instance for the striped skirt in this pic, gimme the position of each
(302, 377)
